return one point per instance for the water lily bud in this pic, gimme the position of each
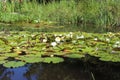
(44, 40)
(60, 35)
(71, 33)
(80, 37)
(95, 39)
(55, 35)
(31, 35)
(107, 39)
(57, 39)
(18, 47)
(117, 42)
(53, 44)
(74, 41)
(26, 36)
(51, 55)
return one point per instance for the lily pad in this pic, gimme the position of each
(75, 56)
(13, 64)
(30, 59)
(2, 62)
(53, 60)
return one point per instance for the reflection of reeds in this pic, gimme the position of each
(93, 78)
(104, 14)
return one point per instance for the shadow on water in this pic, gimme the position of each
(61, 71)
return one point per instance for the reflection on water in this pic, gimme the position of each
(14, 74)
(20, 73)
(62, 71)
(46, 72)
(53, 28)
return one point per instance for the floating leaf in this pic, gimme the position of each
(13, 64)
(29, 47)
(53, 60)
(10, 54)
(30, 59)
(2, 62)
(75, 56)
(2, 58)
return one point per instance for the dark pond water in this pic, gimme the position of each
(62, 71)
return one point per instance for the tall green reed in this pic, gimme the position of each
(99, 13)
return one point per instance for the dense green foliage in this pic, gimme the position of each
(104, 14)
(33, 46)
(26, 47)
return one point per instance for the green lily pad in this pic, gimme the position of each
(2, 62)
(13, 64)
(10, 54)
(2, 58)
(105, 46)
(30, 59)
(53, 60)
(75, 56)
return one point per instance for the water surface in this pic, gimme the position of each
(62, 71)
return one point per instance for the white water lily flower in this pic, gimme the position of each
(53, 44)
(74, 41)
(80, 37)
(71, 36)
(107, 39)
(18, 47)
(25, 35)
(62, 38)
(44, 40)
(57, 39)
(55, 35)
(71, 33)
(31, 35)
(68, 35)
(60, 35)
(95, 39)
(117, 42)
(52, 55)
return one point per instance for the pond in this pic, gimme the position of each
(62, 71)
(77, 70)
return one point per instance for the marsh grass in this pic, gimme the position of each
(103, 14)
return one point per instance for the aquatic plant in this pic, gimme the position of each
(26, 47)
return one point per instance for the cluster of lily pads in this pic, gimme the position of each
(20, 48)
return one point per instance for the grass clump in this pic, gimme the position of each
(104, 14)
